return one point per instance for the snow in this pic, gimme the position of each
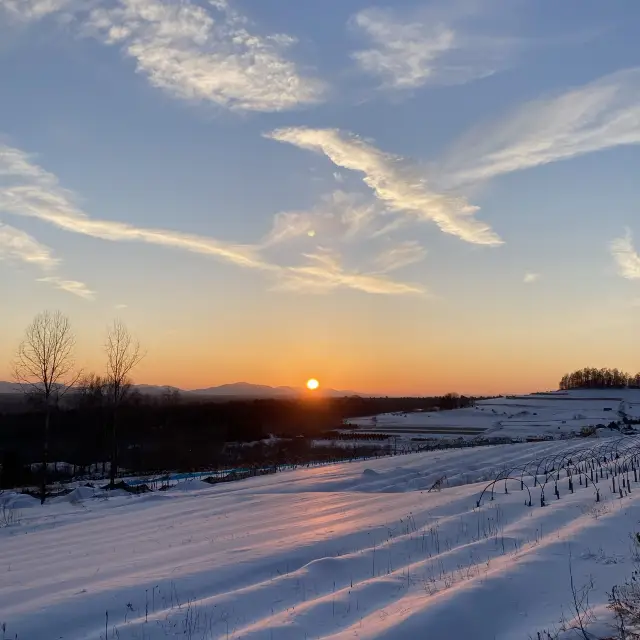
(354, 550)
(190, 485)
(545, 414)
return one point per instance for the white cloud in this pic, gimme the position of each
(33, 9)
(203, 54)
(16, 245)
(194, 54)
(411, 50)
(26, 189)
(394, 182)
(530, 278)
(600, 115)
(626, 257)
(401, 255)
(70, 286)
(120, 306)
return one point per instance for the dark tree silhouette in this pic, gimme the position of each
(44, 368)
(592, 378)
(123, 355)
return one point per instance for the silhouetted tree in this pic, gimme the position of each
(123, 355)
(44, 368)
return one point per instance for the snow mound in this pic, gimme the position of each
(13, 500)
(117, 493)
(191, 485)
(79, 494)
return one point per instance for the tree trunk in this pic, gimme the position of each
(114, 450)
(45, 455)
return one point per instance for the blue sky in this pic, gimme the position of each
(358, 191)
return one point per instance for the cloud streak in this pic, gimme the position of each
(70, 286)
(26, 189)
(33, 191)
(395, 183)
(401, 255)
(530, 278)
(626, 257)
(18, 246)
(325, 272)
(410, 51)
(599, 115)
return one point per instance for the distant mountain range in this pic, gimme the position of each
(238, 389)
(246, 390)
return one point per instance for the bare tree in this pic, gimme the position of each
(123, 355)
(92, 389)
(44, 367)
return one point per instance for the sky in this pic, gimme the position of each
(405, 197)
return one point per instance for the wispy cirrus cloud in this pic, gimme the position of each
(17, 246)
(70, 286)
(26, 189)
(289, 225)
(599, 115)
(397, 184)
(626, 257)
(531, 277)
(29, 190)
(325, 271)
(340, 215)
(400, 255)
(206, 54)
(411, 49)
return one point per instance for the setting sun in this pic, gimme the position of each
(312, 384)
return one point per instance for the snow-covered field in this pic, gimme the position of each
(551, 414)
(360, 550)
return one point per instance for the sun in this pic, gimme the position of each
(312, 384)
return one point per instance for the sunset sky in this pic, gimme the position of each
(391, 197)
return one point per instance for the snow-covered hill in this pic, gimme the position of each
(545, 414)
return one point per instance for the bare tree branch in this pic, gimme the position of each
(123, 355)
(44, 362)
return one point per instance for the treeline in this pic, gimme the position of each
(592, 378)
(167, 433)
